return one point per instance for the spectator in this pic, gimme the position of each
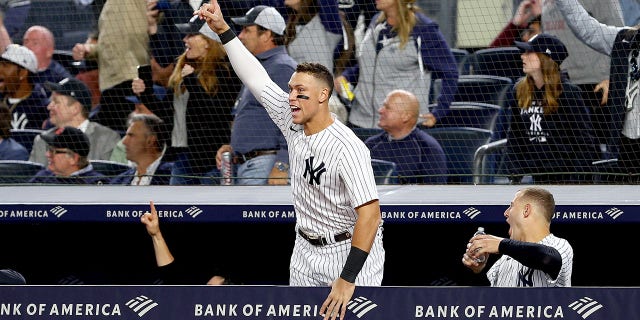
(123, 45)
(89, 74)
(162, 17)
(314, 29)
(40, 40)
(532, 256)
(198, 104)
(173, 272)
(67, 156)
(119, 153)
(623, 115)
(9, 148)
(260, 151)
(26, 100)
(69, 107)
(550, 136)
(594, 79)
(402, 49)
(145, 144)
(524, 24)
(419, 157)
(13, 14)
(11, 277)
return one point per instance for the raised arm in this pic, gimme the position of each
(598, 36)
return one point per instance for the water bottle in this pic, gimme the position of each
(481, 258)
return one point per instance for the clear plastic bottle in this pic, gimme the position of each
(481, 258)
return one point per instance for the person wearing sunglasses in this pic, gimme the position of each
(67, 151)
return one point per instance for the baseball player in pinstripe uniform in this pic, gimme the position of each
(532, 256)
(339, 225)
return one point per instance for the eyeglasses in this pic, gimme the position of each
(54, 150)
(634, 70)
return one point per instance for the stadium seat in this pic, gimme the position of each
(469, 114)
(502, 62)
(25, 137)
(384, 171)
(364, 133)
(477, 88)
(109, 168)
(17, 171)
(460, 145)
(461, 56)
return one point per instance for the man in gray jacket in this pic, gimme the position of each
(69, 106)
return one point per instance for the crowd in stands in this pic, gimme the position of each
(572, 108)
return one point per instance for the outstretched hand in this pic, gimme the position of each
(339, 297)
(212, 14)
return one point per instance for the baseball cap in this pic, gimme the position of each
(264, 16)
(197, 28)
(21, 56)
(74, 88)
(68, 138)
(547, 44)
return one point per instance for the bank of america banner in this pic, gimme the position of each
(281, 302)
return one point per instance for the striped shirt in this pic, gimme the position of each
(507, 272)
(330, 171)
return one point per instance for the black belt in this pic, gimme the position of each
(320, 241)
(239, 158)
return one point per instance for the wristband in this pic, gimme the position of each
(354, 264)
(227, 36)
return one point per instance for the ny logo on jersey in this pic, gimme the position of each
(313, 172)
(524, 277)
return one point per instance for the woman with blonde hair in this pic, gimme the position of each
(402, 49)
(202, 91)
(550, 135)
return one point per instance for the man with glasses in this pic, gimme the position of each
(67, 152)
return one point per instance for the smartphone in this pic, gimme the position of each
(144, 73)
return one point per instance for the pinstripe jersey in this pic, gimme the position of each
(330, 174)
(507, 272)
(330, 171)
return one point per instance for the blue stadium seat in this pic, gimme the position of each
(460, 145)
(25, 136)
(502, 62)
(461, 56)
(109, 168)
(384, 171)
(17, 171)
(469, 114)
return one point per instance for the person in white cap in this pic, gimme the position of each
(26, 100)
(260, 153)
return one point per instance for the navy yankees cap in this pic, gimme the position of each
(68, 138)
(74, 88)
(547, 44)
